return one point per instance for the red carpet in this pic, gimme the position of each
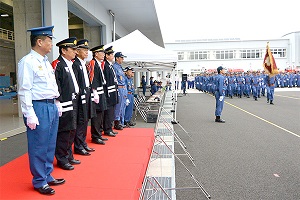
(114, 171)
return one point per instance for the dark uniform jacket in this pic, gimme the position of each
(67, 98)
(98, 85)
(86, 109)
(112, 95)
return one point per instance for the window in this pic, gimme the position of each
(191, 55)
(251, 53)
(180, 55)
(279, 53)
(224, 54)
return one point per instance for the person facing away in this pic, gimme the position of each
(144, 84)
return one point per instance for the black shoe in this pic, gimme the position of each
(118, 127)
(255, 98)
(75, 162)
(110, 134)
(267, 100)
(88, 149)
(57, 181)
(98, 141)
(220, 120)
(132, 123)
(114, 132)
(102, 138)
(126, 125)
(46, 190)
(82, 152)
(66, 166)
(271, 102)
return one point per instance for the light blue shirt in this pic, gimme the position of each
(36, 81)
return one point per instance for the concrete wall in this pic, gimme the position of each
(92, 12)
(27, 14)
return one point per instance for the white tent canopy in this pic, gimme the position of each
(142, 54)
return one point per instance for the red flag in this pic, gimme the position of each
(269, 62)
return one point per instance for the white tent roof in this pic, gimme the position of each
(142, 54)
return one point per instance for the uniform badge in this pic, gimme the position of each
(40, 68)
(121, 77)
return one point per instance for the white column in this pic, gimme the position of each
(56, 14)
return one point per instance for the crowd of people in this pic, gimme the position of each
(246, 84)
(58, 100)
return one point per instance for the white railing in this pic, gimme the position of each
(7, 34)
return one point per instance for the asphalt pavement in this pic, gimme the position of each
(254, 155)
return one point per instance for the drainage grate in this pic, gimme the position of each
(161, 151)
(154, 192)
(163, 132)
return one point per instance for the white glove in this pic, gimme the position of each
(127, 102)
(221, 98)
(96, 96)
(32, 121)
(59, 107)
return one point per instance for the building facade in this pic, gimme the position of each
(99, 21)
(195, 56)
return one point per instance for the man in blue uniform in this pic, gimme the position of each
(120, 107)
(130, 96)
(37, 93)
(270, 82)
(255, 85)
(220, 94)
(154, 88)
(144, 85)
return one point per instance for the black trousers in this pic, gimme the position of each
(109, 115)
(63, 151)
(80, 136)
(97, 125)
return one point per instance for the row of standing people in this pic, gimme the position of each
(287, 79)
(256, 84)
(58, 101)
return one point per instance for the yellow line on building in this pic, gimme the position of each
(263, 119)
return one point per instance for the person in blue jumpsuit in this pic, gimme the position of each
(263, 83)
(154, 88)
(231, 85)
(122, 91)
(144, 85)
(130, 96)
(247, 85)
(220, 94)
(255, 86)
(37, 93)
(298, 79)
(270, 82)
